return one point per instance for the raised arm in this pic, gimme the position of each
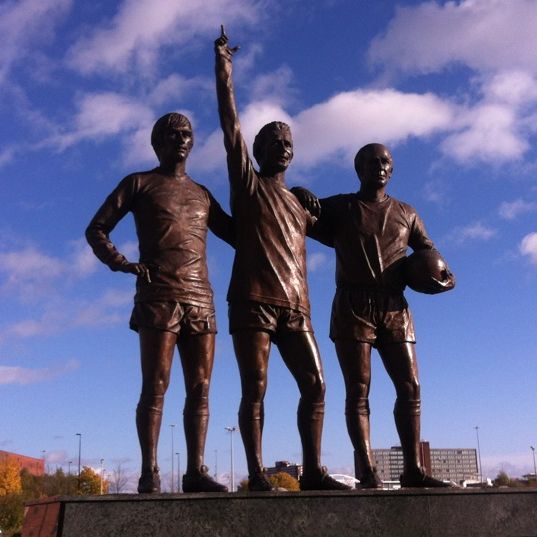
(115, 207)
(239, 164)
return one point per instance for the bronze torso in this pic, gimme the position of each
(370, 238)
(172, 216)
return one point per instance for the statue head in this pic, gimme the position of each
(172, 135)
(273, 147)
(374, 165)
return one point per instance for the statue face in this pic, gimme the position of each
(176, 145)
(375, 167)
(277, 152)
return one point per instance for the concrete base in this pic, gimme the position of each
(399, 513)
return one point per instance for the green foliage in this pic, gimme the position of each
(284, 481)
(502, 480)
(243, 486)
(11, 513)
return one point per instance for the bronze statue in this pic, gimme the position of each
(268, 295)
(370, 232)
(173, 305)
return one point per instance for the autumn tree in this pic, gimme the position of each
(10, 478)
(90, 482)
(282, 480)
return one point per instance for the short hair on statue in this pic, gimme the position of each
(173, 119)
(265, 132)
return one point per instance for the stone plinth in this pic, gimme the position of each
(401, 513)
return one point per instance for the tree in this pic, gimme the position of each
(90, 482)
(11, 513)
(284, 481)
(502, 480)
(10, 477)
(119, 479)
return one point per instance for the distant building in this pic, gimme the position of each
(458, 464)
(294, 470)
(30, 464)
(448, 464)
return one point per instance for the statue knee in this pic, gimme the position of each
(407, 407)
(150, 402)
(313, 389)
(254, 391)
(198, 390)
(357, 406)
(310, 410)
(251, 411)
(196, 406)
(409, 390)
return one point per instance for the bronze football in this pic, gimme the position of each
(426, 271)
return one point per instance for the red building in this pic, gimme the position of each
(30, 464)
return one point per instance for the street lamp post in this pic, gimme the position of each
(534, 467)
(479, 455)
(172, 427)
(178, 472)
(231, 430)
(101, 480)
(216, 464)
(79, 456)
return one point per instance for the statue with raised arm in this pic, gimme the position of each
(268, 294)
(173, 306)
(370, 232)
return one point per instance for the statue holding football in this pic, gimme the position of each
(371, 232)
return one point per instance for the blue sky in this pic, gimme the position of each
(450, 87)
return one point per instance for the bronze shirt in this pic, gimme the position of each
(172, 216)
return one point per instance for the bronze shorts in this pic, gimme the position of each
(267, 317)
(173, 317)
(371, 316)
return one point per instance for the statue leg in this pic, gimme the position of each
(301, 356)
(252, 348)
(197, 357)
(156, 350)
(401, 364)
(355, 362)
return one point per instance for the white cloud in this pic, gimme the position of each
(141, 27)
(509, 210)
(349, 120)
(101, 115)
(496, 40)
(28, 272)
(22, 24)
(22, 375)
(486, 35)
(345, 122)
(176, 86)
(316, 261)
(528, 247)
(84, 260)
(6, 155)
(273, 86)
(491, 134)
(472, 232)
